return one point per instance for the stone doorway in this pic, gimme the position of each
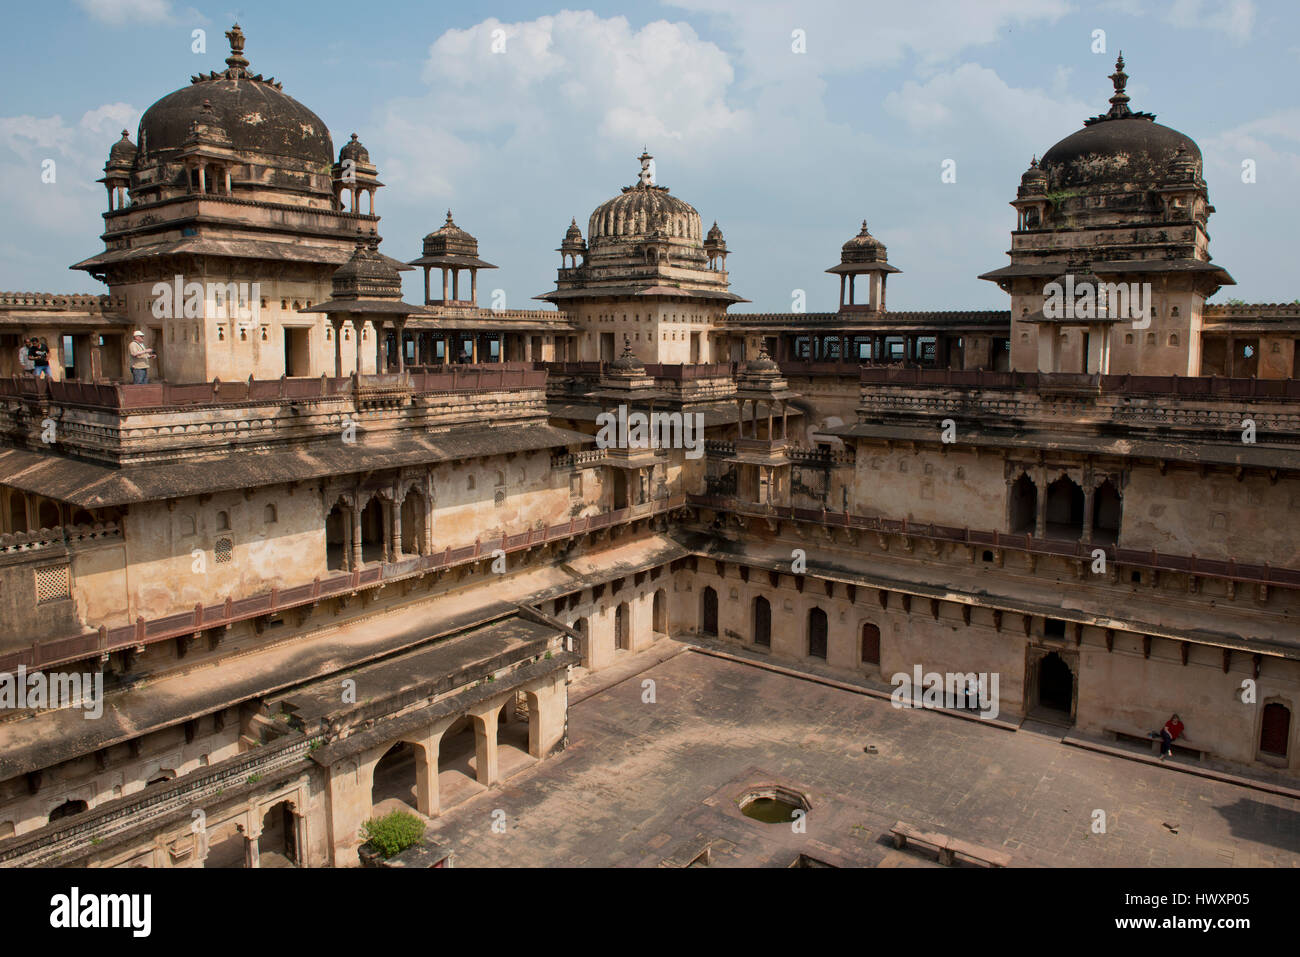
(1052, 688)
(277, 844)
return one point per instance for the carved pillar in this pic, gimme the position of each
(1040, 521)
(336, 323)
(357, 554)
(1089, 493)
(395, 531)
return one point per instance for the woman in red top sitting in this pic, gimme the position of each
(1168, 735)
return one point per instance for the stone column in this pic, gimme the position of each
(1089, 494)
(357, 554)
(547, 705)
(400, 327)
(427, 800)
(444, 283)
(395, 531)
(1040, 524)
(336, 323)
(485, 746)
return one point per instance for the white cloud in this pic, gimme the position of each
(848, 35)
(1234, 18)
(71, 205)
(974, 104)
(121, 12)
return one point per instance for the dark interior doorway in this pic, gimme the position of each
(1055, 684)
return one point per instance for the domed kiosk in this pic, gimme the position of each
(232, 183)
(1126, 196)
(646, 272)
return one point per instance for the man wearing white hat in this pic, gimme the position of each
(140, 356)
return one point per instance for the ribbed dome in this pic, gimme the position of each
(643, 210)
(367, 274)
(1119, 147)
(863, 247)
(256, 114)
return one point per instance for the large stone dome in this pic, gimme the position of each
(1118, 147)
(643, 210)
(257, 115)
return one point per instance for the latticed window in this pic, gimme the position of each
(53, 582)
(224, 550)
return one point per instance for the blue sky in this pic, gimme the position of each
(787, 151)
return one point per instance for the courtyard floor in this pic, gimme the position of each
(642, 782)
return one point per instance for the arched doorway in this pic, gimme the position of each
(622, 630)
(1024, 505)
(817, 630)
(457, 763)
(1055, 684)
(67, 809)
(1275, 729)
(870, 644)
(395, 777)
(413, 511)
(277, 844)
(337, 530)
(1106, 506)
(659, 613)
(762, 622)
(1064, 509)
(512, 734)
(372, 531)
(581, 647)
(709, 612)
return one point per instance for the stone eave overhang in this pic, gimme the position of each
(355, 307)
(625, 292)
(256, 250)
(863, 267)
(461, 262)
(92, 485)
(1053, 270)
(1226, 454)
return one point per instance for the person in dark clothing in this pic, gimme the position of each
(40, 357)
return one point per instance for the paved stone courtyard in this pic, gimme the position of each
(642, 782)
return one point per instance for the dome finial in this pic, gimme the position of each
(236, 60)
(647, 176)
(1119, 102)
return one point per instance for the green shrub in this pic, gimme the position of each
(393, 832)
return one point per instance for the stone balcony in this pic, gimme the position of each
(1163, 417)
(137, 424)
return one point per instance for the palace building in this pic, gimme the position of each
(345, 550)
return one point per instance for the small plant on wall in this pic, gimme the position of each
(393, 832)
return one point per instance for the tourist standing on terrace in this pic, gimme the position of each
(40, 356)
(140, 356)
